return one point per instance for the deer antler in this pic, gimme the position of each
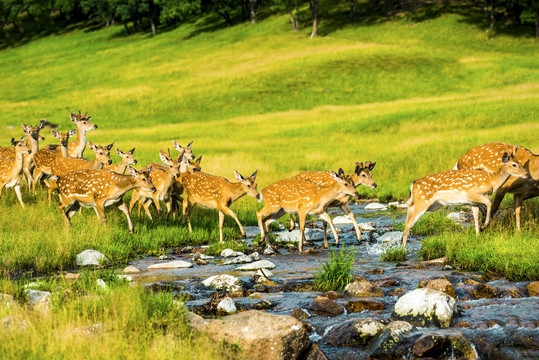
(360, 164)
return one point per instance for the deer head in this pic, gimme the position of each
(249, 184)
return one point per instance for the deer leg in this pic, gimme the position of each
(263, 224)
(18, 192)
(327, 219)
(73, 210)
(346, 209)
(414, 213)
(35, 179)
(292, 222)
(125, 210)
(229, 212)
(302, 216)
(498, 197)
(66, 218)
(475, 212)
(29, 178)
(146, 204)
(221, 221)
(517, 204)
(187, 213)
(100, 207)
(478, 198)
(134, 199)
(1, 188)
(52, 187)
(325, 225)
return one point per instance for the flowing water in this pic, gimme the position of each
(503, 327)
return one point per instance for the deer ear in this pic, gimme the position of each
(163, 157)
(73, 117)
(176, 145)
(253, 177)
(199, 159)
(23, 137)
(505, 158)
(42, 123)
(341, 172)
(26, 128)
(333, 174)
(91, 145)
(371, 166)
(189, 145)
(132, 171)
(132, 151)
(72, 132)
(55, 134)
(179, 159)
(13, 142)
(109, 146)
(119, 152)
(238, 176)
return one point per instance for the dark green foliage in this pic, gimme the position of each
(336, 273)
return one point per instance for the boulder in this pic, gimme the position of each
(301, 314)
(91, 257)
(363, 289)
(342, 220)
(533, 288)
(457, 217)
(176, 264)
(376, 206)
(224, 282)
(368, 226)
(261, 264)
(425, 307)
(388, 343)
(447, 345)
(315, 353)
(391, 239)
(325, 307)
(482, 291)
(243, 259)
(226, 306)
(442, 285)
(354, 332)
(294, 235)
(261, 335)
(39, 299)
(354, 306)
(231, 253)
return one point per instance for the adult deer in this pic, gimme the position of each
(187, 153)
(127, 159)
(44, 158)
(97, 189)
(32, 141)
(63, 165)
(218, 193)
(11, 169)
(361, 176)
(163, 180)
(459, 187)
(76, 149)
(302, 197)
(487, 157)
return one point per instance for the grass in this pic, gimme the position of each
(432, 223)
(394, 254)
(123, 320)
(336, 273)
(217, 247)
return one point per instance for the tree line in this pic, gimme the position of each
(21, 19)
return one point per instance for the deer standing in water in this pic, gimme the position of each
(98, 189)
(459, 187)
(487, 158)
(11, 169)
(218, 193)
(361, 176)
(63, 165)
(302, 197)
(44, 158)
(76, 148)
(127, 159)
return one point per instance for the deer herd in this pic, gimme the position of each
(179, 182)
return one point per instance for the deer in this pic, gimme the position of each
(98, 189)
(187, 153)
(127, 159)
(32, 141)
(218, 193)
(302, 197)
(487, 158)
(361, 176)
(459, 187)
(76, 149)
(63, 165)
(163, 180)
(11, 169)
(44, 158)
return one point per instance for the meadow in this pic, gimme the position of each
(412, 98)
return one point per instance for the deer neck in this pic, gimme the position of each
(18, 163)
(80, 144)
(533, 167)
(328, 193)
(64, 151)
(33, 144)
(126, 183)
(120, 169)
(236, 191)
(497, 179)
(95, 164)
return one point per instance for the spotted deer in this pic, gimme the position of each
(44, 158)
(459, 187)
(487, 158)
(302, 197)
(63, 165)
(218, 193)
(76, 148)
(127, 159)
(187, 153)
(11, 169)
(32, 141)
(361, 176)
(98, 189)
(163, 179)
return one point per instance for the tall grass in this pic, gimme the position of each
(336, 273)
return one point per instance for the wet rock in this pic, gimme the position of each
(363, 289)
(425, 307)
(388, 343)
(262, 276)
(397, 292)
(201, 262)
(388, 283)
(300, 314)
(243, 259)
(131, 270)
(91, 257)
(176, 264)
(452, 345)
(261, 335)
(163, 257)
(265, 304)
(354, 306)
(512, 293)
(368, 226)
(39, 299)
(226, 306)
(463, 325)
(294, 235)
(354, 332)
(261, 264)
(377, 271)
(376, 206)
(210, 307)
(315, 353)
(224, 282)
(333, 295)
(269, 250)
(391, 239)
(442, 285)
(482, 291)
(255, 295)
(434, 262)
(533, 289)
(231, 253)
(325, 307)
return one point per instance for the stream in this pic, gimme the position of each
(502, 325)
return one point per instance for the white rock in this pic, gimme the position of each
(223, 282)
(231, 253)
(39, 299)
(227, 305)
(31, 285)
(341, 220)
(101, 284)
(162, 257)
(91, 257)
(366, 226)
(294, 235)
(392, 238)
(131, 270)
(176, 264)
(206, 257)
(243, 259)
(265, 273)
(376, 206)
(125, 277)
(269, 251)
(426, 306)
(261, 264)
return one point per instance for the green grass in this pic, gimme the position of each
(394, 254)
(432, 223)
(336, 273)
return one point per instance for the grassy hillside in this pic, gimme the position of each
(412, 98)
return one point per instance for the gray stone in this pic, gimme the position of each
(101, 284)
(39, 299)
(388, 343)
(425, 307)
(227, 306)
(363, 288)
(176, 264)
(342, 220)
(261, 264)
(243, 259)
(294, 235)
(376, 206)
(354, 332)
(225, 282)
(91, 257)
(391, 239)
(231, 253)
(131, 270)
